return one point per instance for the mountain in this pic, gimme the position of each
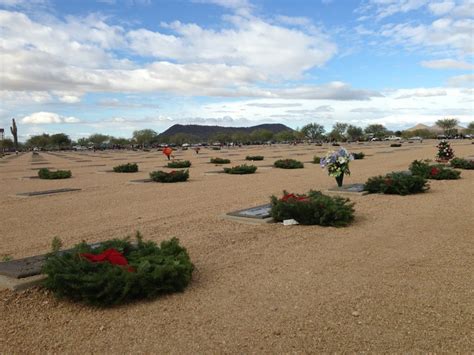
(433, 128)
(205, 132)
(417, 127)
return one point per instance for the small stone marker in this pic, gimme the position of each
(46, 192)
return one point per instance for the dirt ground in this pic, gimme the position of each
(399, 279)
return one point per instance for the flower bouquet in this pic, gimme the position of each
(337, 164)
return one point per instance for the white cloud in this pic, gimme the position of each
(386, 8)
(47, 118)
(249, 42)
(466, 80)
(447, 64)
(397, 109)
(77, 56)
(230, 4)
(409, 93)
(442, 7)
(442, 35)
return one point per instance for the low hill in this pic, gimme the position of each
(206, 132)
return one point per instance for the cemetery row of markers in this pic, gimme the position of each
(119, 270)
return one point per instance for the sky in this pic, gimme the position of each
(115, 66)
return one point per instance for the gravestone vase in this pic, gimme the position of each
(339, 180)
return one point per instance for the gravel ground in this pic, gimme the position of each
(399, 279)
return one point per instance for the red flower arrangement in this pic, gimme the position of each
(111, 255)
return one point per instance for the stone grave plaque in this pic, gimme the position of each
(258, 212)
(46, 192)
(140, 181)
(349, 188)
(214, 172)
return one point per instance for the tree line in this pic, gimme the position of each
(313, 132)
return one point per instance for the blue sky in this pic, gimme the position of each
(115, 66)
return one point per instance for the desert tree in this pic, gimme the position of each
(313, 131)
(145, 137)
(448, 125)
(354, 133)
(376, 130)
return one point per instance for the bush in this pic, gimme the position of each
(254, 157)
(313, 209)
(396, 184)
(220, 161)
(241, 169)
(461, 163)
(358, 156)
(395, 145)
(316, 160)
(288, 164)
(172, 176)
(45, 173)
(126, 168)
(436, 172)
(335, 144)
(216, 148)
(179, 164)
(147, 271)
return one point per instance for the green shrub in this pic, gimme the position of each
(45, 173)
(150, 270)
(241, 169)
(460, 163)
(288, 164)
(396, 184)
(216, 148)
(220, 161)
(316, 160)
(395, 145)
(254, 157)
(179, 164)
(172, 176)
(313, 209)
(358, 156)
(436, 172)
(126, 168)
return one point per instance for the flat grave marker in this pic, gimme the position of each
(356, 189)
(254, 215)
(46, 192)
(140, 181)
(19, 274)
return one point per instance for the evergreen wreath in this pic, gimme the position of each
(172, 176)
(179, 164)
(313, 208)
(45, 173)
(445, 152)
(126, 168)
(118, 271)
(241, 169)
(288, 164)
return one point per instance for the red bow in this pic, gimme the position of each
(434, 171)
(111, 255)
(287, 197)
